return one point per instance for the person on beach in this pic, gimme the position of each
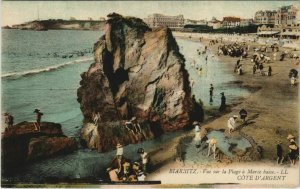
(119, 156)
(243, 114)
(231, 123)
(211, 90)
(293, 81)
(279, 150)
(212, 146)
(133, 126)
(294, 152)
(254, 69)
(144, 158)
(261, 67)
(192, 82)
(223, 102)
(39, 115)
(240, 70)
(196, 124)
(270, 71)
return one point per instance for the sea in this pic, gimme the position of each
(41, 69)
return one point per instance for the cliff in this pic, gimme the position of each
(60, 24)
(21, 143)
(137, 72)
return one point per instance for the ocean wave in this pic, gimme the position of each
(41, 70)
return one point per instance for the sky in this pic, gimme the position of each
(16, 12)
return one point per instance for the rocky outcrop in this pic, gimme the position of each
(22, 143)
(137, 72)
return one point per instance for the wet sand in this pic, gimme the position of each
(272, 110)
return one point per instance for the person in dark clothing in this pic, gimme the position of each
(223, 102)
(254, 69)
(282, 57)
(10, 120)
(238, 62)
(280, 156)
(294, 152)
(211, 90)
(38, 119)
(243, 114)
(269, 71)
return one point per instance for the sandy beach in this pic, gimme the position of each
(272, 112)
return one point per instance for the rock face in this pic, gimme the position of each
(21, 143)
(137, 72)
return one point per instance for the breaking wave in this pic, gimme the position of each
(41, 70)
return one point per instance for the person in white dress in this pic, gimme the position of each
(231, 123)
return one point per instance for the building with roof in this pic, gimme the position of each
(265, 17)
(231, 22)
(159, 20)
(246, 22)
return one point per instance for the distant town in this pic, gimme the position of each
(283, 22)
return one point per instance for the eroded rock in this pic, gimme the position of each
(137, 72)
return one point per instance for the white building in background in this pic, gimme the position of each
(246, 22)
(158, 20)
(195, 22)
(286, 15)
(265, 17)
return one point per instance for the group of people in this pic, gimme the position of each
(9, 120)
(199, 140)
(233, 50)
(122, 169)
(293, 151)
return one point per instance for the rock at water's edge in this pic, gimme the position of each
(22, 143)
(137, 72)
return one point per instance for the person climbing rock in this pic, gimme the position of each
(39, 115)
(133, 126)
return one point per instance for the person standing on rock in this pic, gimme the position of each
(133, 126)
(8, 120)
(223, 102)
(279, 150)
(231, 123)
(38, 119)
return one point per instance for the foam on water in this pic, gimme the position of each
(47, 69)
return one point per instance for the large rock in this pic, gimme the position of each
(22, 143)
(137, 72)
